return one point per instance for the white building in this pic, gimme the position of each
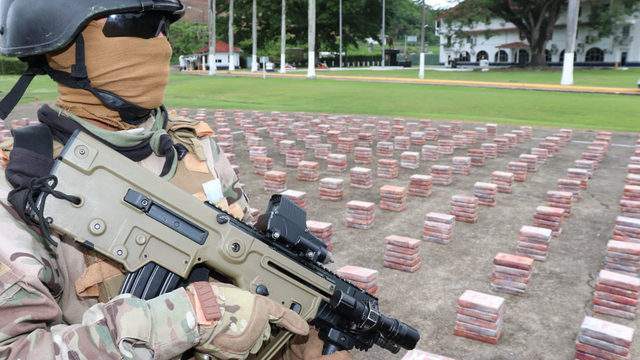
(200, 61)
(506, 46)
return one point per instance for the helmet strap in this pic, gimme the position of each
(9, 102)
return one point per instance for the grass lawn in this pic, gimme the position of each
(584, 77)
(591, 111)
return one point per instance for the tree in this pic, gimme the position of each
(536, 19)
(402, 18)
(187, 38)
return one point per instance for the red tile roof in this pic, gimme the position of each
(221, 47)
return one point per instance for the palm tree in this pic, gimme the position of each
(311, 42)
(212, 37)
(573, 12)
(232, 64)
(254, 37)
(283, 37)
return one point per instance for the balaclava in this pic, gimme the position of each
(136, 69)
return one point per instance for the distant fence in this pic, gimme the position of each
(353, 61)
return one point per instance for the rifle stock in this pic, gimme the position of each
(153, 228)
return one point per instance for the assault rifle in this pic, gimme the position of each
(164, 236)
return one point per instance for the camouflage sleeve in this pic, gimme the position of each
(123, 328)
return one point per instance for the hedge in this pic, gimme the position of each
(11, 66)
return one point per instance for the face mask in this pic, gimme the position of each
(136, 69)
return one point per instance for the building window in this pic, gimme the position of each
(501, 57)
(626, 31)
(464, 57)
(448, 42)
(547, 56)
(594, 55)
(482, 55)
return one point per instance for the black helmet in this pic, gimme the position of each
(29, 29)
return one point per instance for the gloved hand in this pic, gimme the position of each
(243, 321)
(310, 348)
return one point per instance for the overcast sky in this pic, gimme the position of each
(441, 4)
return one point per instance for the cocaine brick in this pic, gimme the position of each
(442, 175)
(323, 231)
(631, 192)
(298, 197)
(360, 214)
(542, 154)
(609, 335)
(581, 175)
(418, 138)
(531, 161)
(519, 170)
(616, 294)
(410, 160)
(293, 157)
(550, 218)
(438, 227)
(423, 355)
(321, 151)
(490, 150)
(364, 278)
(388, 168)
(308, 171)
(626, 229)
(262, 164)
(363, 155)
(430, 153)
(487, 325)
(560, 199)
(402, 253)
(257, 151)
(275, 181)
(477, 157)
(571, 185)
(336, 163)
(461, 165)
(345, 144)
(464, 208)
(331, 189)
(485, 193)
(361, 178)
(630, 208)
(384, 149)
(420, 185)
(534, 242)
(511, 273)
(623, 257)
(445, 147)
(502, 144)
(393, 198)
(402, 143)
(311, 141)
(504, 181)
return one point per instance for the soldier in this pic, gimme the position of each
(59, 300)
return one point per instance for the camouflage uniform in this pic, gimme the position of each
(45, 314)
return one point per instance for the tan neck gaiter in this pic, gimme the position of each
(133, 68)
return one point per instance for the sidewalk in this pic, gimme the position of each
(466, 83)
